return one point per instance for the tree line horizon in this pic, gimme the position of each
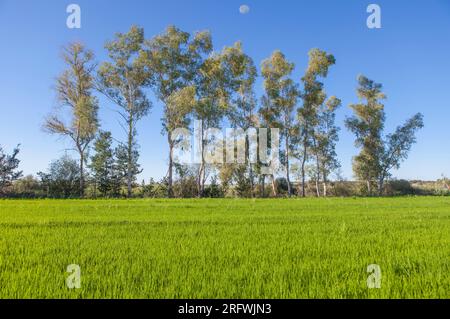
(194, 82)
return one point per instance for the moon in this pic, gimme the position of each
(244, 9)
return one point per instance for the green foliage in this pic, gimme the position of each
(123, 81)
(213, 190)
(378, 156)
(326, 136)
(243, 184)
(62, 179)
(309, 117)
(74, 89)
(400, 188)
(27, 187)
(281, 95)
(126, 164)
(9, 172)
(102, 164)
(174, 59)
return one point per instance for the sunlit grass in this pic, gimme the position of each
(300, 248)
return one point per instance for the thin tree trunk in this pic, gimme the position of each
(317, 177)
(263, 186)
(317, 186)
(81, 174)
(199, 181)
(250, 169)
(287, 167)
(274, 187)
(252, 186)
(380, 186)
(325, 188)
(200, 186)
(130, 157)
(305, 149)
(170, 175)
(303, 171)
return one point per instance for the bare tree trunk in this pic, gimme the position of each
(81, 174)
(263, 186)
(287, 167)
(274, 187)
(130, 157)
(305, 148)
(252, 186)
(303, 173)
(325, 188)
(380, 186)
(170, 174)
(250, 168)
(317, 177)
(317, 186)
(201, 173)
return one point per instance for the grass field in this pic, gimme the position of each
(300, 248)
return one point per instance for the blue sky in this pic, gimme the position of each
(409, 55)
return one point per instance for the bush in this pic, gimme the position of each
(27, 187)
(213, 190)
(399, 188)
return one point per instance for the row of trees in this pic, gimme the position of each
(192, 81)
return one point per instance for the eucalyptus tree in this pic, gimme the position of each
(313, 97)
(123, 80)
(179, 106)
(281, 94)
(378, 155)
(267, 117)
(174, 58)
(326, 137)
(242, 112)
(74, 89)
(213, 89)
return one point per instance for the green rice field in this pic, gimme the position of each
(226, 248)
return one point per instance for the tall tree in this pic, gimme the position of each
(174, 58)
(8, 168)
(313, 97)
(102, 163)
(74, 89)
(242, 113)
(213, 96)
(326, 137)
(179, 106)
(123, 81)
(367, 124)
(281, 93)
(378, 156)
